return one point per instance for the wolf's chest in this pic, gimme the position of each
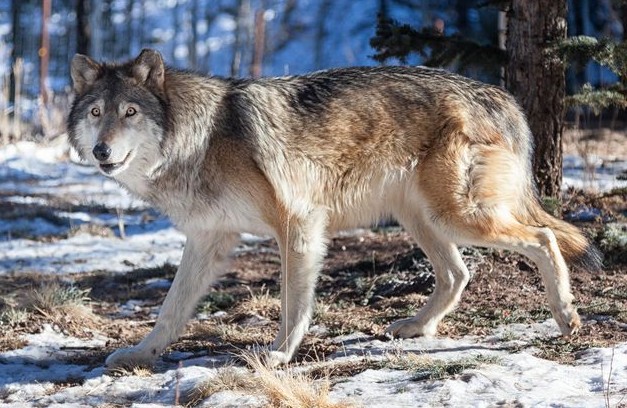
(229, 214)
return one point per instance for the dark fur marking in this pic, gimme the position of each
(313, 96)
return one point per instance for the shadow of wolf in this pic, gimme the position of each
(302, 156)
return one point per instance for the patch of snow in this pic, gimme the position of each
(518, 378)
(85, 253)
(34, 369)
(232, 399)
(28, 375)
(594, 175)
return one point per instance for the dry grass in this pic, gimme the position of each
(285, 388)
(601, 142)
(64, 305)
(260, 303)
(240, 335)
(10, 314)
(52, 118)
(421, 367)
(227, 379)
(426, 368)
(592, 144)
(92, 229)
(11, 343)
(136, 371)
(344, 319)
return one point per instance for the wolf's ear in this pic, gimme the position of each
(148, 68)
(84, 72)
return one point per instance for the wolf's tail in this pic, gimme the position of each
(576, 249)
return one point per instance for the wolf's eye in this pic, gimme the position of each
(95, 112)
(131, 111)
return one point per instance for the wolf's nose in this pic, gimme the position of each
(101, 151)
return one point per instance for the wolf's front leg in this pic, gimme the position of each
(204, 259)
(303, 245)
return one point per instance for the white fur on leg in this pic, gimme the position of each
(451, 277)
(204, 259)
(301, 257)
(554, 273)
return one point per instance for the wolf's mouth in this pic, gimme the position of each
(110, 167)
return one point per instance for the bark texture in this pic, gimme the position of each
(537, 80)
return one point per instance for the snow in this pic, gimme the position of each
(28, 376)
(594, 175)
(49, 176)
(516, 377)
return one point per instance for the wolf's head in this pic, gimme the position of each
(118, 118)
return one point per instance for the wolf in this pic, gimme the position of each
(299, 157)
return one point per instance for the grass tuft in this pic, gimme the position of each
(137, 371)
(425, 368)
(227, 379)
(215, 301)
(63, 304)
(260, 303)
(284, 388)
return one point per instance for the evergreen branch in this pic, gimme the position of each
(598, 99)
(581, 49)
(393, 40)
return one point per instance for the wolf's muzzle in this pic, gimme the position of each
(102, 151)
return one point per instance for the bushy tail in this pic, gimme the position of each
(574, 246)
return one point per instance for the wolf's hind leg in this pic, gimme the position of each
(302, 245)
(451, 277)
(484, 202)
(540, 245)
(204, 259)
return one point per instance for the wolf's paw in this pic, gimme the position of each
(407, 328)
(568, 321)
(130, 358)
(276, 358)
(267, 356)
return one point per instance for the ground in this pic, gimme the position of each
(84, 269)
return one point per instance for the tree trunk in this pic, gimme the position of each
(259, 43)
(16, 51)
(83, 35)
(97, 29)
(44, 51)
(242, 32)
(538, 82)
